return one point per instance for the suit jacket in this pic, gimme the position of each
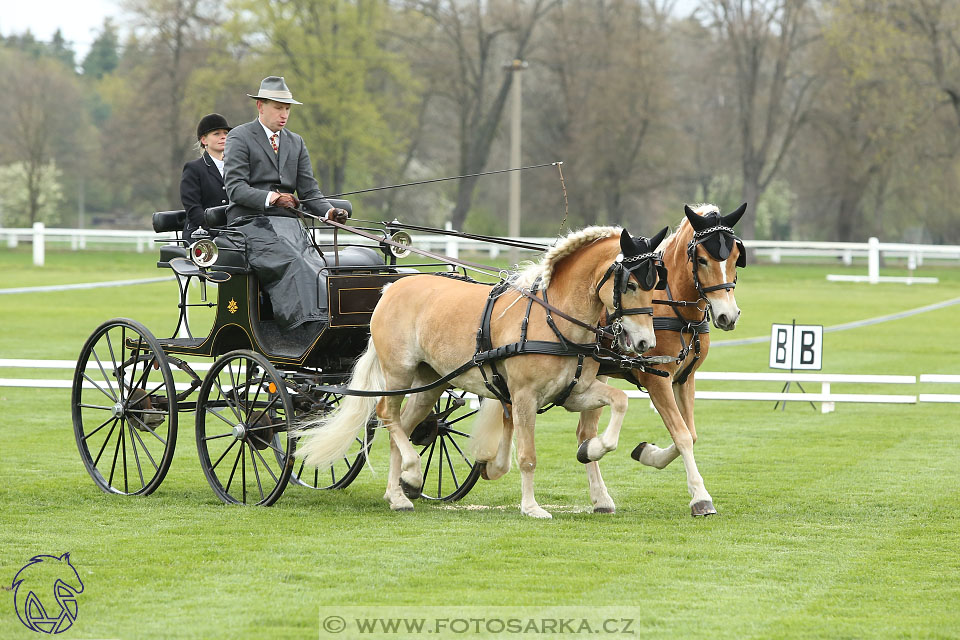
(252, 170)
(201, 187)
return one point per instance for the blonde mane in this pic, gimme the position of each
(565, 246)
(699, 209)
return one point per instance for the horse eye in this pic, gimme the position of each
(702, 261)
(631, 286)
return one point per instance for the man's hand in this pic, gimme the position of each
(337, 215)
(287, 201)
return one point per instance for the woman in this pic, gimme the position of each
(201, 186)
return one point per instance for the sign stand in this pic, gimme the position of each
(795, 347)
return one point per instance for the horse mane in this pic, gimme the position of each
(700, 209)
(567, 245)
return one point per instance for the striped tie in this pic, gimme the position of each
(273, 141)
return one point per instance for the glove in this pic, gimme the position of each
(287, 201)
(337, 215)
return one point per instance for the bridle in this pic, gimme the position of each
(723, 235)
(649, 272)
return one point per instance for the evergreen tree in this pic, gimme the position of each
(104, 53)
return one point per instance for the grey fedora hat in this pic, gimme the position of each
(274, 88)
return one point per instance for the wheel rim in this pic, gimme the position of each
(244, 415)
(124, 409)
(449, 471)
(341, 473)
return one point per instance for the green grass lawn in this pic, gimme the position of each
(833, 525)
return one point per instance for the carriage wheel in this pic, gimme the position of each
(124, 408)
(449, 471)
(244, 417)
(342, 473)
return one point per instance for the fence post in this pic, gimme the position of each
(847, 257)
(453, 249)
(826, 407)
(38, 244)
(12, 241)
(873, 260)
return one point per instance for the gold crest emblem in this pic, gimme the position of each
(232, 306)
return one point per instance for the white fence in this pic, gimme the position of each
(826, 395)
(775, 251)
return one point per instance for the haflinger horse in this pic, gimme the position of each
(529, 352)
(701, 258)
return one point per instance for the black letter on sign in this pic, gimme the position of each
(806, 346)
(781, 356)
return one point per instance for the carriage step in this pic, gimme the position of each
(181, 342)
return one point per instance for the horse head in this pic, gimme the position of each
(35, 602)
(627, 290)
(715, 251)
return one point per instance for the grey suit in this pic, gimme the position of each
(278, 248)
(252, 170)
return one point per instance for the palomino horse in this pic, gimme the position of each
(701, 258)
(426, 327)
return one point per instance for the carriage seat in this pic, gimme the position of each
(165, 221)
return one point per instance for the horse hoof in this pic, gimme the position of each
(404, 508)
(412, 492)
(604, 510)
(582, 452)
(483, 471)
(635, 454)
(702, 508)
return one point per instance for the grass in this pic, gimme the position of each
(832, 526)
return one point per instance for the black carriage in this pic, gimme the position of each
(130, 388)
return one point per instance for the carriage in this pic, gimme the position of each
(131, 389)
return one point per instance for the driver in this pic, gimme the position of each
(267, 173)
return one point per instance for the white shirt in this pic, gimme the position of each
(219, 164)
(269, 134)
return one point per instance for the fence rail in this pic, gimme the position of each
(826, 396)
(773, 250)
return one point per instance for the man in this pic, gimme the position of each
(201, 185)
(265, 165)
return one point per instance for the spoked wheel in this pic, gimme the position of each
(124, 408)
(448, 469)
(342, 473)
(244, 416)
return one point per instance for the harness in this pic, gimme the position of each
(717, 240)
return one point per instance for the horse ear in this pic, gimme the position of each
(65, 556)
(697, 222)
(733, 218)
(627, 245)
(657, 239)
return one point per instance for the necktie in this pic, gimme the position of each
(273, 141)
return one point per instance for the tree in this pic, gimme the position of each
(462, 57)
(21, 203)
(104, 54)
(356, 93)
(41, 124)
(766, 39)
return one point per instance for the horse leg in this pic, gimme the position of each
(586, 429)
(595, 396)
(653, 455)
(701, 503)
(394, 495)
(500, 464)
(525, 417)
(666, 403)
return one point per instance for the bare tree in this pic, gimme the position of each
(766, 39)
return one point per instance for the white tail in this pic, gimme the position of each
(327, 438)
(487, 430)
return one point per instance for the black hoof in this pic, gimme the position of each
(603, 510)
(702, 508)
(483, 470)
(635, 454)
(582, 452)
(409, 490)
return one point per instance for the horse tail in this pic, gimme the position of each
(326, 438)
(487, 430)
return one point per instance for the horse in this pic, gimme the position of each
(701, 258)
(45, 593)
(424, 331)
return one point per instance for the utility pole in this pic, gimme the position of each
(514, 203)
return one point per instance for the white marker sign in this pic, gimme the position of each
(796, 346)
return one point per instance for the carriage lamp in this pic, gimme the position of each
(401, 237)
(204, 253)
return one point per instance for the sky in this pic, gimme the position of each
(79, 20)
